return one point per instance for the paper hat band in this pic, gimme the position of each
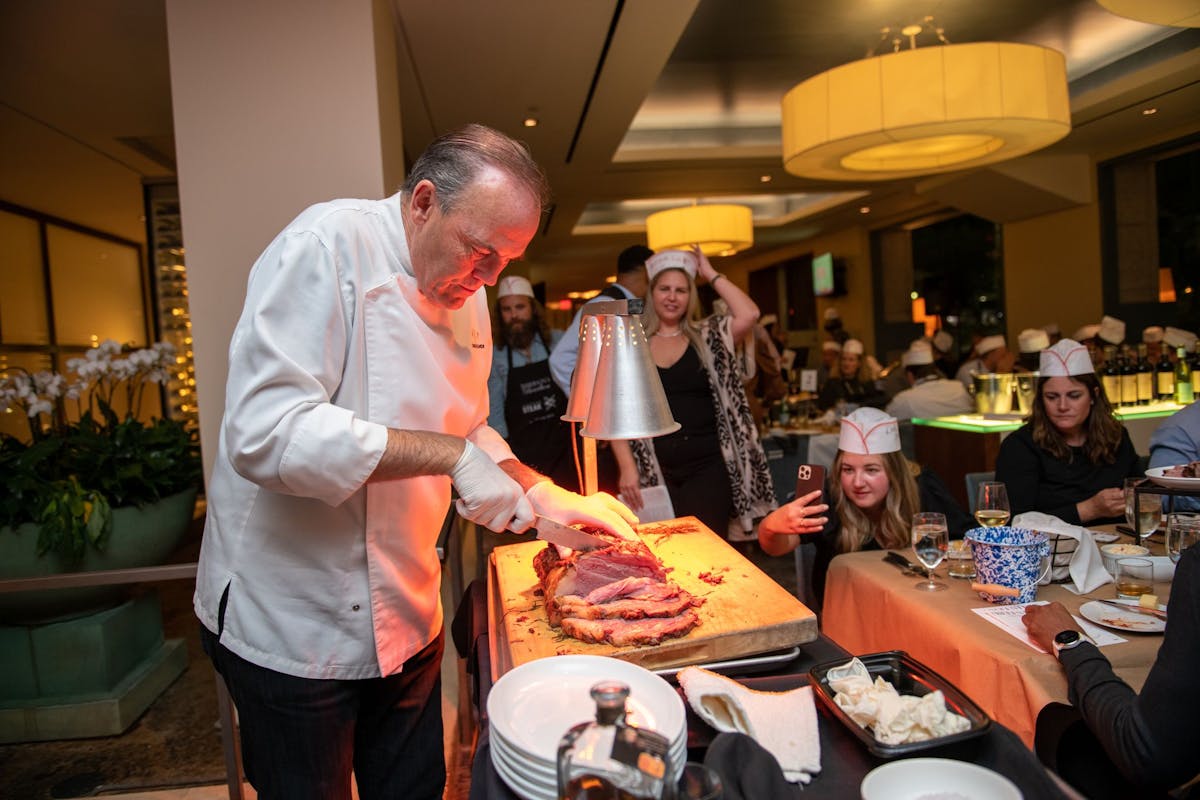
(989, 343)
(853, 346)
(869, 432)
(1064, 360)
(672, 259)
(514, 285)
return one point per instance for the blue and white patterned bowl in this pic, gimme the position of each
(1009, 557)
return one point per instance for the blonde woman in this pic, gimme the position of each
(713, 467)
(874, 491)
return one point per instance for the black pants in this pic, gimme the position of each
(694, 472)
(302, 737)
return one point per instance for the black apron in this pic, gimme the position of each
(533, 404)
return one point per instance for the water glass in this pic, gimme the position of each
(1135, 577)
(1183, 531)
(930, 538)
(991, 504)
(960, 559)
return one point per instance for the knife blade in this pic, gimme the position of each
(893, 557)
(565, 536)
(1152, 612)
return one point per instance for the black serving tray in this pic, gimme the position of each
(910, 677)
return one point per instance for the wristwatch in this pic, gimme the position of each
(1067, 640)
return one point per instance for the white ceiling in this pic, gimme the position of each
(641, 103)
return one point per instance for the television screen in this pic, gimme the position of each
(822, 274)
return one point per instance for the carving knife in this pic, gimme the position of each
(566, 536)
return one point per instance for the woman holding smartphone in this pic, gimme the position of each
(874, 492)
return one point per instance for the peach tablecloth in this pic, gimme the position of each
(871, 606)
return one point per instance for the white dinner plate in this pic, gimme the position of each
(936, 777)
(533, 705)
(1156, 474)
(547, 770)
(1129, 621)
(521, 785)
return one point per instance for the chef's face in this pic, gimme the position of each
(1068, 403)
(850, 363)
(455, 253)
(864, 480)
(515, 308)
(671, 293)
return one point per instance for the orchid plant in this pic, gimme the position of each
(76, 467)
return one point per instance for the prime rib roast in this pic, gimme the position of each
(617, 594)
(1189, 470)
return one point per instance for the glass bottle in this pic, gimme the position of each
(1164, 375)
(1196, 367)
(1110, 378)
(606, 759)
(1145, 378)
(1183, 378)
(1129, 388)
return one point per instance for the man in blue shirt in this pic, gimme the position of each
(1177, 441)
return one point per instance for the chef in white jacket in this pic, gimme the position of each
(357, 397)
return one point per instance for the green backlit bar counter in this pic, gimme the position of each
(954, 446)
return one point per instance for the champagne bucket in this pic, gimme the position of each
(628, 401)
(1026, 390)
(993, 392)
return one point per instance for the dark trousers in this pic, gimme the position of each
(302, 737)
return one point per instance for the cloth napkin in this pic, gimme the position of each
(1086, 568)
(784, 723)
(893, 718)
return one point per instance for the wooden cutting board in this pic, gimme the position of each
(745, 612)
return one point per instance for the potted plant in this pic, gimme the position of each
(75, 492)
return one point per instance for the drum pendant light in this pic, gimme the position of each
(1176, 13)
(926, 110)
(719, 229)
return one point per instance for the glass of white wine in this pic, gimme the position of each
(991, 504)
(1183, 531)
(930, 538)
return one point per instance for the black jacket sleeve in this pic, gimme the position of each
(1019, 467)
(936, 497)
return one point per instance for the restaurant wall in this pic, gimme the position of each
(1052, 271)
(277, 107)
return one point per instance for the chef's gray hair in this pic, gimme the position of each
(453, 161)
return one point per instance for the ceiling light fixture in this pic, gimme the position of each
(1176, 13)
(764, 178)
(1146, 112)
(928, 110)
(864, 210)
(531, 122)
(719, 229)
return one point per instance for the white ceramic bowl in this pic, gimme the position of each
(1109, 553)
(936, 777)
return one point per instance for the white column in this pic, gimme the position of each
(278, 104)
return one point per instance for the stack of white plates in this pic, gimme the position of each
(531, 707)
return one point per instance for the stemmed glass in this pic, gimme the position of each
(991, 504)
(930, 538)
(1183, 531)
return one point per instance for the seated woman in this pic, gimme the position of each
(852, 382)
(1070, 460)
(874, 491)
(713, 467)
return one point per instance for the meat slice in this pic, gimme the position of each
(622, 632)
(582, 572)
(634, 588)
(626, 608)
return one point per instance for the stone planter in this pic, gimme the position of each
(141, 537)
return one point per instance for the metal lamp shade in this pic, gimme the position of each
(584, 377)
(628, 401)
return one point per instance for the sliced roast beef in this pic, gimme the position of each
(622, 632)
(626, 608)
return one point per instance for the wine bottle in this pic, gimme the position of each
(1165, 378)
(1195, 362)
(1110, 378)
(1129, 382)
(1145, 378)
(1183, 378)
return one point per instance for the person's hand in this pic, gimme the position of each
(797, 518)
(704, 267)
(601, 509)
(629, 485)
(487, 496)
(1104, 503)
(1046, 621)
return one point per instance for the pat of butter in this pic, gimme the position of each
(1148, 601)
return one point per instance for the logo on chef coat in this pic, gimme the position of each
(476, 340)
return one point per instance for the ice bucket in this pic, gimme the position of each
(1009, 557)
(993, 392)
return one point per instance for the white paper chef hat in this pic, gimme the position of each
(989, 343)
(943, 341)
(1177, 337)
(830, 344)
(853, 346)
(1112, 330)
(831, 313)
(1152, 334)
(869, 432)
(1067, 358)
(1086, 332)
(672, 259)
(513, 284)
(918, 353)
(1033, 340)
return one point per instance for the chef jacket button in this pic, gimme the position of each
(355, 607)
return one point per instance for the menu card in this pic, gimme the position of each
(1008, 619)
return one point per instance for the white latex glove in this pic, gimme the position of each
(487, 495)
(600, 509)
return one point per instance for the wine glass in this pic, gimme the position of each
(930, 538)
(1183, 531)
(991, 504)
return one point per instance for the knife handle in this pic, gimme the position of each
(995, 588)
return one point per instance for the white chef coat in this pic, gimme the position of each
(932, 397)
(969, 368)
(328, 576)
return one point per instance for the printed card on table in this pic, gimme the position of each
(1008, 619)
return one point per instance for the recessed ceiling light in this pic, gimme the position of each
(531, 122)
(1148, 111)
(864, 210)
(765, 178)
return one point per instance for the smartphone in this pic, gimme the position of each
(811, 478)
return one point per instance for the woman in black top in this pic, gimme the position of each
(852, 382)
(1070, 460)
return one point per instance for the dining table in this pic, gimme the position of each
(845, 761)
(870, 605)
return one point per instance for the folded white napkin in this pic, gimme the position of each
(784, 723)
(1086, 567)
